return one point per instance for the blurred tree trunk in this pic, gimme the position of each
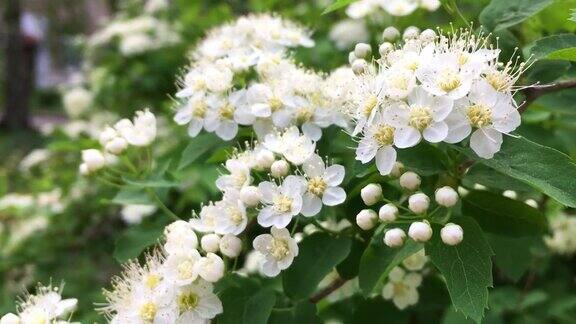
(18, 74)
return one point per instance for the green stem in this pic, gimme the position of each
(397, 205)
(295, 226)
(108, 182)
(152, 194)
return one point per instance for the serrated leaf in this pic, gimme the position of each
(503, 14)
(546, 169)
(567, 54)
(378, 260)
(135, 240)
(246, 304)
(547, 45)
(337, 5)
(198, 147)
(501, 215)
(467, 268)
(318, 255)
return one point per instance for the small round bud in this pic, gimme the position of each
(279, 168)
(430, 5)
(510, 194)
(388, 213)
(83, 169)
(446, 196)
(371, 194)
(390, 33)
(418, 203)
(230, 245)
(93, 159)
(351, 57)
(411, 33)
(531, 202)
(478, 186)
(362, 50)
(210, 268)
(397, 169)
(420, 231)
(359, 66)
(250, 196)
(452, 234)
(210, 242)
(264, 159)
(385, 48)
(410, 180)
(116, 146)
(428, 36)
(10, 319)
(366, 219)
(394, 237)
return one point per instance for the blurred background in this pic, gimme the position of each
(69, 67)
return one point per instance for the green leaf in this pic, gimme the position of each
(348, 268)
(135, 240)
(561, 102)
(513, 255)
(337, 5)
(198, 147)
(412, 158)
(318, 255)
(483, 175)
(246, 304)
(503, 14)
(378, 260)
(501, 215)
(303, 312)
(150, 183)
(467, 268)
(544, 168)
(543, 47)
(131, 196)
(567, 54)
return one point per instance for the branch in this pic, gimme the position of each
(334, 285)
(534, 92)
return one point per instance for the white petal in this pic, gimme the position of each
(333, 196)
(366, 150)
(486, 142)
(268, 189)
(195, 127)
(313, 131)
(458, 127)
(436, 132)
(385, 159)
(267, 217)
(261, 110)
(227, 130)
(334, 175)
(314, 166)
(261, 242)
(406, 137)
(311, 205)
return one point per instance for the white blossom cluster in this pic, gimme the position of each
(241, 75)
(302, 183)
(403, 281)
(563, 237)
(416, 213)
(139, 132)
(363, 8)
(434, 88)
(46, 306)
(173, 286)
(77, 101)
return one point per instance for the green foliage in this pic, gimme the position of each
(504, 14)
(135, 240)
(337, 4)
(246, 302)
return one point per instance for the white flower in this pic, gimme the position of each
(279, 169)
(133, 214)
(10, 319)
(362, 8)
(77, 101)
(220, 116)
(210, 267)
(388, 213)
(141, 132)
(563, 238)
(230, 245)
(278, 248)
(446, 196)
(210, 242)
(452, 234)
(430, 5)
(180, 267)
(366, 219)
(281, 203)
(490, 112)
(194, 113)
(401, 288)
(93, 160)
(348, 32)
(416, 261)
(398, 82)
(116, 146)
(418, 203)
(197, 303)
(410, 180)
(394, 237)
(294, 147)
(424, 117)
(180, 237)
(420, 231)
(250, 196)
(371, 194)
(206, 223)
(376, 142)
(399, 7)
(45, 306)
(238, 178)
(442, 75)
(322, 185)
(232, 218)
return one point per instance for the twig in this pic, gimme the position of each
(534, 92)
(334, 285)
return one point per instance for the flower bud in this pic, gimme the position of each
(388, 213)
(411, 33)
(371, 194)
(452, 234)
(531, 202)
(107, 135)
(390, 33)
(279, 168)
(93, 159)
(83, 169)
(428, 36)
(362, 50)
(230, 245)
(397, 169)
(351, 57)
(418, 203)
(478, 186)
(446, 196)
(210, 267)
(385, 48)
(430, 5)
(510, 194)
(366, 219)
(462, 191)
(250, 196)
(410, 180)
(116, 146)
(264, 159)
(420, 231)
(10, 319)
(394, 237)
(359, 66)
(210, 242)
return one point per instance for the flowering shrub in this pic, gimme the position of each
(398, 184)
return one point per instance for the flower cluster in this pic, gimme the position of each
(173, 286)
(363, 8)
(302, 185)
(416, 212)
(563, 237)
(404, 280)
(241, 75)
(437, 88)
(46, 306)
(77, 101)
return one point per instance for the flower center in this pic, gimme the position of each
(304, 114)
(420, 118)
(185, 269)
(152, 280)
(463, 58)
(226, 111)
(275, 104)
(148, 312)
(399, 82)
(187, 301)
(384, 135)
(412, 65)
(199, 109)
(400, 289)
(498, 80)
(279, 248)
(479, 116)
(317, 185)
(370, 104)
(235, 215)
(199, 84)
(239, 178)
(282, 203)
(449, 81)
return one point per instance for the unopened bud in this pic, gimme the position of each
(418, 203)
(410, 180)
(279, 168)
(420, 231)
(394, 237)
(362, 50)
(388, 213)
(366, 219)
(210, 242)
(446, 196)
(390, 33)
(452, 234)
(250, 196)
(230, 245)
(371, 194)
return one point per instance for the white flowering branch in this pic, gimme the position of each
(534, 92)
